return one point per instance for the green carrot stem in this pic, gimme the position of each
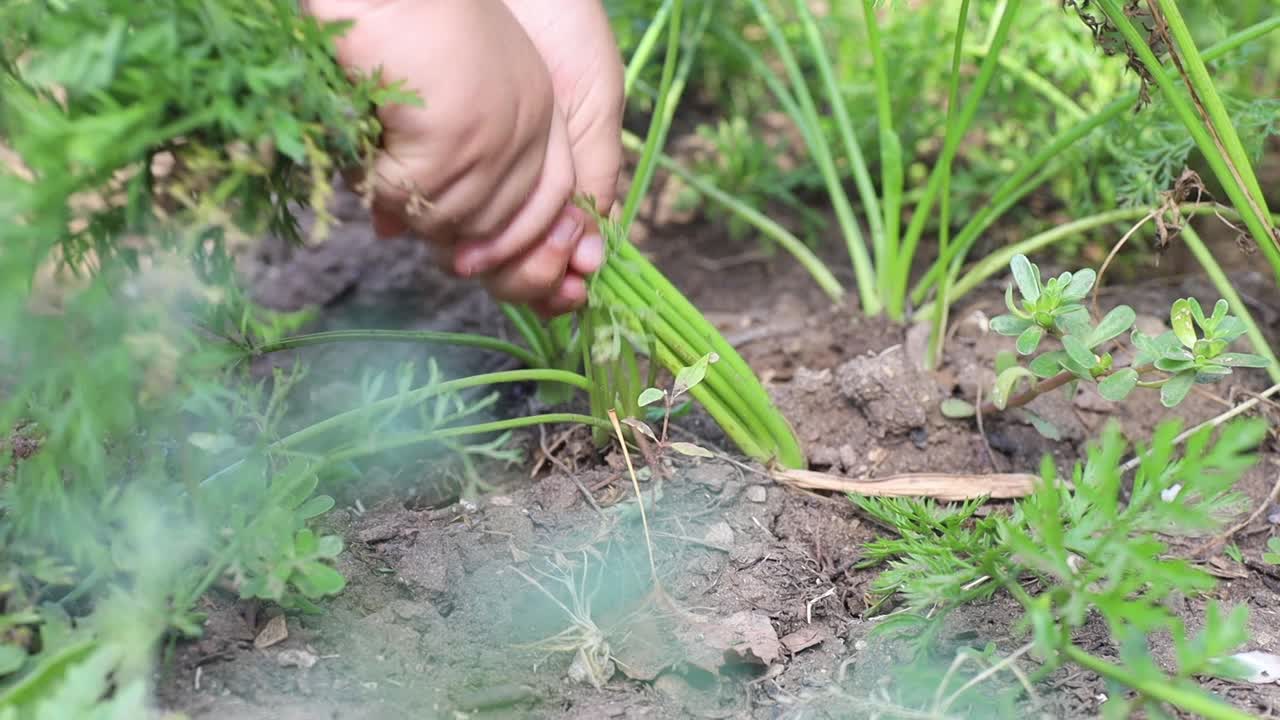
(409, 439)
(1020, 182)
(666, 295)
(680, 342)
(840, 109)
(789, 242)
(660, 124)
(951, 145)
(821, 152)
(1207, 91)
(892, 178)
(1238, 191)
(402, 336)
(1192, 700)
(648, 41)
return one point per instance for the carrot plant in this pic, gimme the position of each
(807, 82)
(1073, 555)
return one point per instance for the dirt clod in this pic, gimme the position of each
(888, 389)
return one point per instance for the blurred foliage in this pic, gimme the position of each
(1051, 74)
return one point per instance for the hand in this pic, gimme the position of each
(579, 49)
(483, 168)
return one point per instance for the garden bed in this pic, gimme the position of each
(765, 614)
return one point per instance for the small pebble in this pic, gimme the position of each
(720, 534)
(757, 494)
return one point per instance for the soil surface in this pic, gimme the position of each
(535, 599)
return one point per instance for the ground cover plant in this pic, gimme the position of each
(173, 466)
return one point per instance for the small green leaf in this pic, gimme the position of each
(1197, 313)
(690, 377)
(1176, 388)
(1048, 364)
(691, 450)
(1005, 360)
(12, 658)
(1229, 328)
(1220, 309)
(1117, 386)
(1073, 320)
(316, 506)
(330, 546)
(1006, 383)
(317, 580)
(1180, 321)
(1009, 303)
(1029, 340)
(1272, 557)
(1174, 365)
(1244, 360)
(1026, 276)
(651, 396)
(1009, 325)
(1080, 285)
(1044, 427)
(956, 408)
(304, 543)
(1119, 320)
(1079, 352)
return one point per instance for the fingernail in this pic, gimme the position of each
(468, 263)
(589, 255)
(566, 231)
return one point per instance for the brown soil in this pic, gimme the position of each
(763, 615)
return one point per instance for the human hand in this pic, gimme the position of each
(484, 168)
(579, 49)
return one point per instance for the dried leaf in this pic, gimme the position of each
(940, 486)
(274, 632)
(691, 450)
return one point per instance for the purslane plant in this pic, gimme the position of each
(1172, 362)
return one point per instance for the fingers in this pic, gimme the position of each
(569, 296)
(589, 255)
(539, 271)
(548, 201)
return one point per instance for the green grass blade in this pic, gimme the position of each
(955, 133)
(840, 109)
(862, 268)
(892, 177)
(1020, 183)
(1241, 196)
(938, 331)
(789, 242)
(1207, 92)
(659, 124)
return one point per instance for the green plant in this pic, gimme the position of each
(1272, 557)
(1234, 552)
(1054, 308)
(1077, 159)
(686, 380)
(1074, 554)
(144, 147)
